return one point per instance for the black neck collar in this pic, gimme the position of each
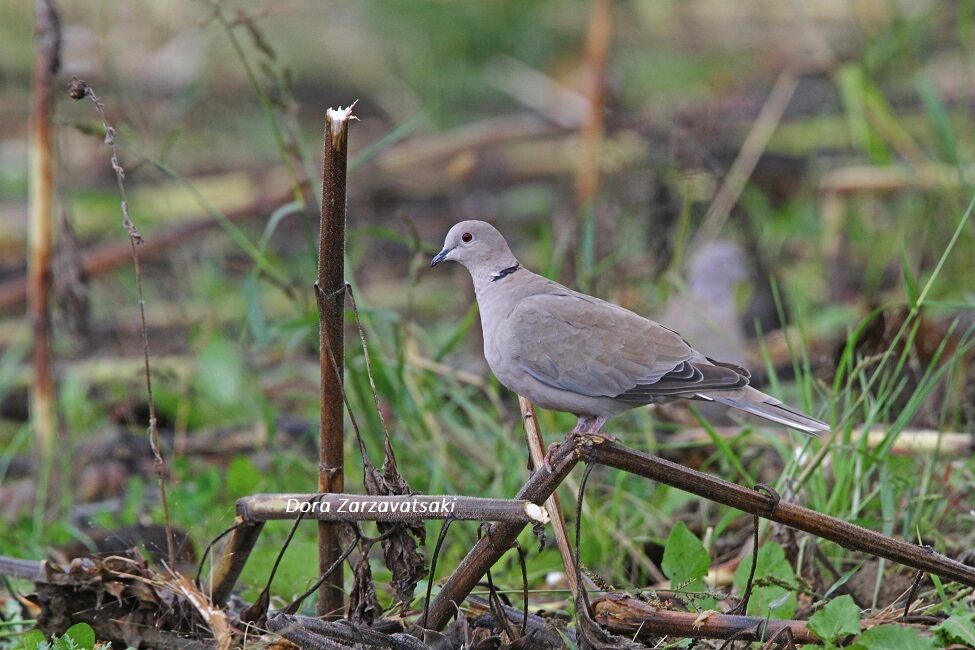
(503, 273)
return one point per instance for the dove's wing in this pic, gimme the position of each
(583, 345)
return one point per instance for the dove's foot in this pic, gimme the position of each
(549, 454)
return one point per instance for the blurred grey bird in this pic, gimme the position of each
(704, 310)
(567, 351)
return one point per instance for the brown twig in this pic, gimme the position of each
(47, 62)
(343, 632)
(541, 484)
(599, 34)
(845, 534)
(621, 614)
(79, 90)
(330, 294)
(500, 536)
(230, 563)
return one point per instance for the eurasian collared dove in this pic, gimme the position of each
(567, 351)
(704, 310)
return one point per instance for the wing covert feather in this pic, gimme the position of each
(587, 346)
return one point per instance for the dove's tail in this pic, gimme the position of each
(765, 406)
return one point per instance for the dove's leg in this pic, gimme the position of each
(582, 423)
(589, 424)
(596, 425)
(592, 425)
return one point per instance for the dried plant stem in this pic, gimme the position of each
(536, 447)
(41, 225)
(330, 294)
(574, 448)
(364, 507)
(751, 151)
(79, 90)
(845, 534)
(500, 536)
(631, 617)
(228, 566)
(315, 633)
(599, 34)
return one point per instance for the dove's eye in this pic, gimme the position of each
(466, 237)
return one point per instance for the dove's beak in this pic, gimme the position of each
(440, 257)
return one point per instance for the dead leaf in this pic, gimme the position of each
(402, 539)
(364, 605)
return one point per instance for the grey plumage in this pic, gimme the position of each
(567, 351)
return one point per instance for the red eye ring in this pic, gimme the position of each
(466, 237)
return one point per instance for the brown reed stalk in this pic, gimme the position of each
(330, 295)
(47, 62)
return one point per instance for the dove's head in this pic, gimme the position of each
(478, 246)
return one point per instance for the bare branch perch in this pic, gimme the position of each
(835, 530)
(228, 567)
(500, 536)
(542, 484)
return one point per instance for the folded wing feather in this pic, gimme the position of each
(590, 347)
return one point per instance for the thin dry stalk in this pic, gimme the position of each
(536, 447)
(79, 90)
(751, 150)
(215, 617)
(47, 62)
(330, 294)
(948, 444)
(599, 34)
(894, 178)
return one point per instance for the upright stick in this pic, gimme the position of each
(41, 230)
(330, 293)
(536, 448)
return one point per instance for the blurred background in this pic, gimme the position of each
(785, 183)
